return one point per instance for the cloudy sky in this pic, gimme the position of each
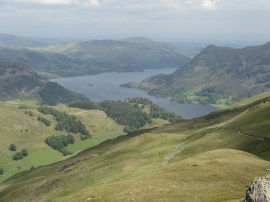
(169, 20)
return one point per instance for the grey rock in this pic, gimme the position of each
(258, 191)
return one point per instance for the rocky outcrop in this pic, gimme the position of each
(258, 191)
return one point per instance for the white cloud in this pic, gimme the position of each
(209, 4)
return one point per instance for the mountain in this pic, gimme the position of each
(52, 94)
(113, 55)
(12, 41)
(212, 158)
(92, 57)
(217, 75)
(45, 63)
(17, 80)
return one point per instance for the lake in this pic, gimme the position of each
(105, 86)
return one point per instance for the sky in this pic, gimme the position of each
(169, 20)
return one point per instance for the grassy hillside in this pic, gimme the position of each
(212, 158)
(231, 75)
(27, 132)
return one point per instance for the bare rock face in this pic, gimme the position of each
(258, 191)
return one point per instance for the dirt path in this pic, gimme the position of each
(109, 125)
(178, 149)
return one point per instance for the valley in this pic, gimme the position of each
(110, 144)
(134, 101)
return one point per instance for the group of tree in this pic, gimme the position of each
(140, 101)
(44, 120)
(130, 112)
(159, 112)
(60, 142)
(155, 110)
(18, 155)
(126, 114)
(66, 122)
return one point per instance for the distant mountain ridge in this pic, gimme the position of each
(12, 41)
(122, 55)
(97, 56)
(215, 75)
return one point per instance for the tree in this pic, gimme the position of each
(12, 147)
(1, 171)
(17, 156)
(24, 152)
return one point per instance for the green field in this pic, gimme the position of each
(26, 132)
(213, 158)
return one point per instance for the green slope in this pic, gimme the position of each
(212, 158)
(27, 132)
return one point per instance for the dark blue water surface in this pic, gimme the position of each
(105, 86)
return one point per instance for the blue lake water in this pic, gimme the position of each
(105, 86)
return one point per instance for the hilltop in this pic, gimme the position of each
(218, 75)
(212, 158)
